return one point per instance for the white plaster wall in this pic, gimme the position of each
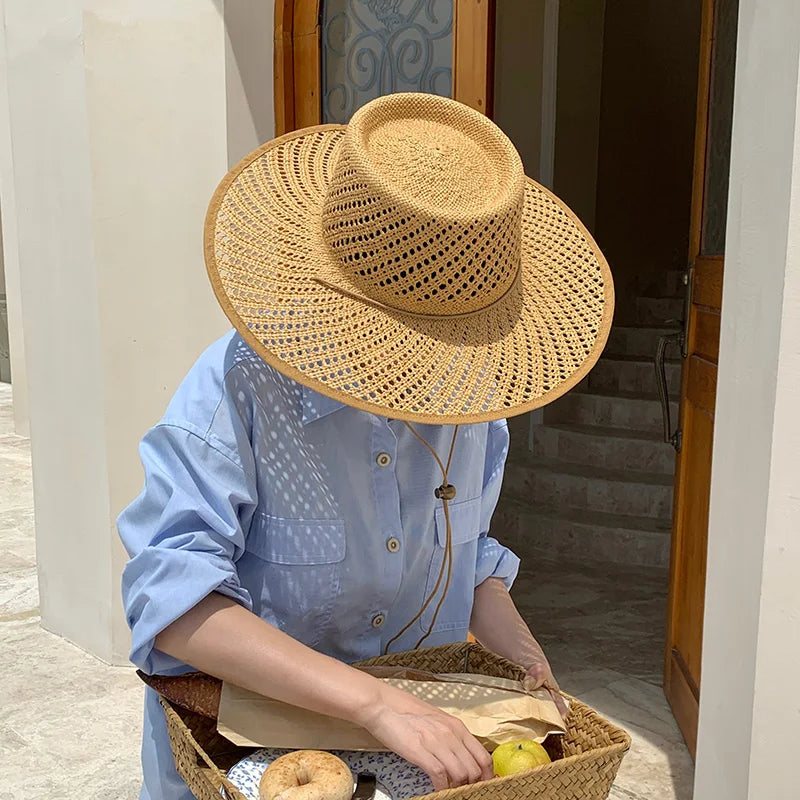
(51, 172)
(155, 84)
(123, 115)
(776, 709)
(748, 706)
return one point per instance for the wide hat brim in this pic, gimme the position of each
(265, 254)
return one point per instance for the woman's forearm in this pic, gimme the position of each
(498, 626)
(224, 639)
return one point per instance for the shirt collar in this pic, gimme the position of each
(316, 405)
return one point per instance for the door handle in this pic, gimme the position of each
(677, 338)
(681, 339)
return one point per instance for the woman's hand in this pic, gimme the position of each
(540, 675)
(433, 740)
(498, 626)
(223, 639)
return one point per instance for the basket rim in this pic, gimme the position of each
(612, 750)
(616, 750)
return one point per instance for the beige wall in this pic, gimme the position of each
(51, 172)
(122, 123)
(5, 364)
(8, 211)
(749, 703)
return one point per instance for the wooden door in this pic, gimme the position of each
(700, 349)
(332, 56)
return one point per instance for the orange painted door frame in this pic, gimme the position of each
(700, 350)
(298, 63)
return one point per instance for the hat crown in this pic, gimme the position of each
(424, 207)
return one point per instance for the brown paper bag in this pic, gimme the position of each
(494, 710)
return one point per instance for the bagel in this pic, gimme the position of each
(307, 775)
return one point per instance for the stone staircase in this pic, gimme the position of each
(596, 485)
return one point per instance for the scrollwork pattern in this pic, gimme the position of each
(376, 47)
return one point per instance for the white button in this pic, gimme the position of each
(378, 620)
(393, 545)
(383, 459)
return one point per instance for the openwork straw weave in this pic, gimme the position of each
(405, 265)
(586, 758)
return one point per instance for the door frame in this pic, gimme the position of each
(297, 59)
(682, 694)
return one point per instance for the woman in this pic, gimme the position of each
(321, 487)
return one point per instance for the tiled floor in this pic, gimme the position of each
(602, 628)
(70, 725)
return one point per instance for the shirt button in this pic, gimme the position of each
(393, 545)
(378, 620)
(383, 459)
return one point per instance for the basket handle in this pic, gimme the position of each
(225, 784)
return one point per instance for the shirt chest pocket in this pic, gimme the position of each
(456, 609)
(298, 564)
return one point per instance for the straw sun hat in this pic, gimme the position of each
(403, 264)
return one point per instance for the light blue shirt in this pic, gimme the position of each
(318, 517)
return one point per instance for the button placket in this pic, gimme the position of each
(387, 513)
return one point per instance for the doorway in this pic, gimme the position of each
(623, 108)
(613, 487)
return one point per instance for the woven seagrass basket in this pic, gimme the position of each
(585, 760)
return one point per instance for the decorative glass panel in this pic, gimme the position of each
(376, 47)
(720, 120)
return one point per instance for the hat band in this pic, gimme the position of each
(419, 314)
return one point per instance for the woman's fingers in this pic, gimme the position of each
(433, 740)
(561, 704)
(434, 768)
(460, 765)
(482, 758)
(451, 761)
(483, 766)
(538, 675)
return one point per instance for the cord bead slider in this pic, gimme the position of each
(445, 492)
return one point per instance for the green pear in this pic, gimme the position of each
(513, 757)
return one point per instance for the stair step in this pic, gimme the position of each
(629, 410)
(635, 340)
(631, 374)
(607, 448)
(657, 310)
(572, 534)
(560, 484)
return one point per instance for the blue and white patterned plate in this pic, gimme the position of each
(397, 779)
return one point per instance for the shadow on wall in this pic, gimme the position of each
(248, 75)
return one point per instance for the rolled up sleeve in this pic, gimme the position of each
(184, 535)
(494, 559)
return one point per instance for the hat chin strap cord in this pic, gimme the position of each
(446, 492)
